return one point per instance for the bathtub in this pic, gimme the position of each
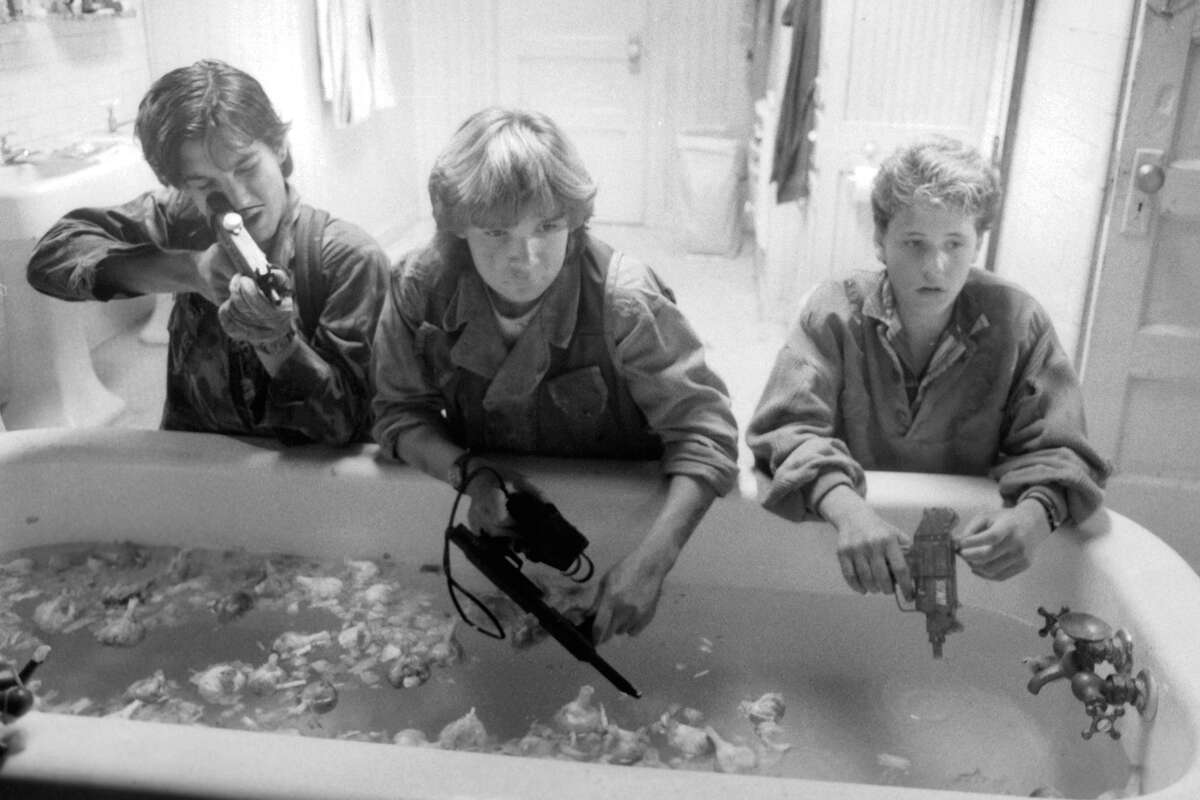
(66, 485)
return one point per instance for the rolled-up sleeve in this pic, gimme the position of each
(686, 404)
(1046, 440)
(792, 433)
(68, 261)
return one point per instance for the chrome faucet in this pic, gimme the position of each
(13, 155)
(1081, 643)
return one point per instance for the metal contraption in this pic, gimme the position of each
(544, 536)
(1081, 643)
(230, 229)
(934, 573)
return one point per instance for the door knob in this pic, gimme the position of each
(1149, 178)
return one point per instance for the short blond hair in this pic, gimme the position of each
(941, 172)
(501, 162)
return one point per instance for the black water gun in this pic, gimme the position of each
(230, 230)
(931, 560)
(544, 536)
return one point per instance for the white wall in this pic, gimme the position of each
(364, 173)
(1059, 172)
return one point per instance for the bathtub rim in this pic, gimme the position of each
(1106, 538)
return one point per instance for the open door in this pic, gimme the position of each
(1142, 365)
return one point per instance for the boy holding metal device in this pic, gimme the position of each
(928, 365)
(516, 331)
(275, 301)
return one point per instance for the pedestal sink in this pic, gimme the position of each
(46, 373)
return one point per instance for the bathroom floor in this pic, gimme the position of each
(717, 293)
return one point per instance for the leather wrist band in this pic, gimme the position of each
(1048, 507)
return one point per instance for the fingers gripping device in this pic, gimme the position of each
(230, 230)
(544, 536)
(931, 561)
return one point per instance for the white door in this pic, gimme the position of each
(892, 71)
(582, 63)
(1142, 367)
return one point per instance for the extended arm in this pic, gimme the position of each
(687, 405)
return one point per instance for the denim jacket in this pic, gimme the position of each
(999, 397)
(608, 367)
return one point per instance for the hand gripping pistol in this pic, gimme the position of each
(230, 230)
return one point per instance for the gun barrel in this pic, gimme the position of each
(493, 562)
(230, 230)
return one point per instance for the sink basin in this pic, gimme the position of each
(46, 374)
(34, 195)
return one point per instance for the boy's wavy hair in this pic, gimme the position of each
(208, 101)
(939, 172)
(501, 162)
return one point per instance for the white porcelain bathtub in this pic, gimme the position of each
(67, 485)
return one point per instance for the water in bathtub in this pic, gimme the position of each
(794, 684)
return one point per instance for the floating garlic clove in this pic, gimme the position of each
(149, 690)
(688, 739)
(320, 588)
(54, 615)
(447, 651)
(581, 715)
(220, 683)
(411, 737)
(540, 741)
(768, 708)
(377, 594)
(266, 679)
(464, 733)
(362, 572)
(353, 638)
(320, 696)
(408, 671)
(624, 747)
(125, 631)
(731, 757)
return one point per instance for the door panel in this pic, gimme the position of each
(582, 64)
(894, 71)
(1142, 368)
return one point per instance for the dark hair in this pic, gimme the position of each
(211, 102)
(938, 171)
(502, 160)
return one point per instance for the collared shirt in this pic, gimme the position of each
(999, 397)
(607, 367)
(216, 384)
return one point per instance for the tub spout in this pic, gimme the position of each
(1044, 673)
(1081, 642)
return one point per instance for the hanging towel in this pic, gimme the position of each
(797, 116)
(356, 76)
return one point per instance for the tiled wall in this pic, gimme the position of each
(57, 75)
